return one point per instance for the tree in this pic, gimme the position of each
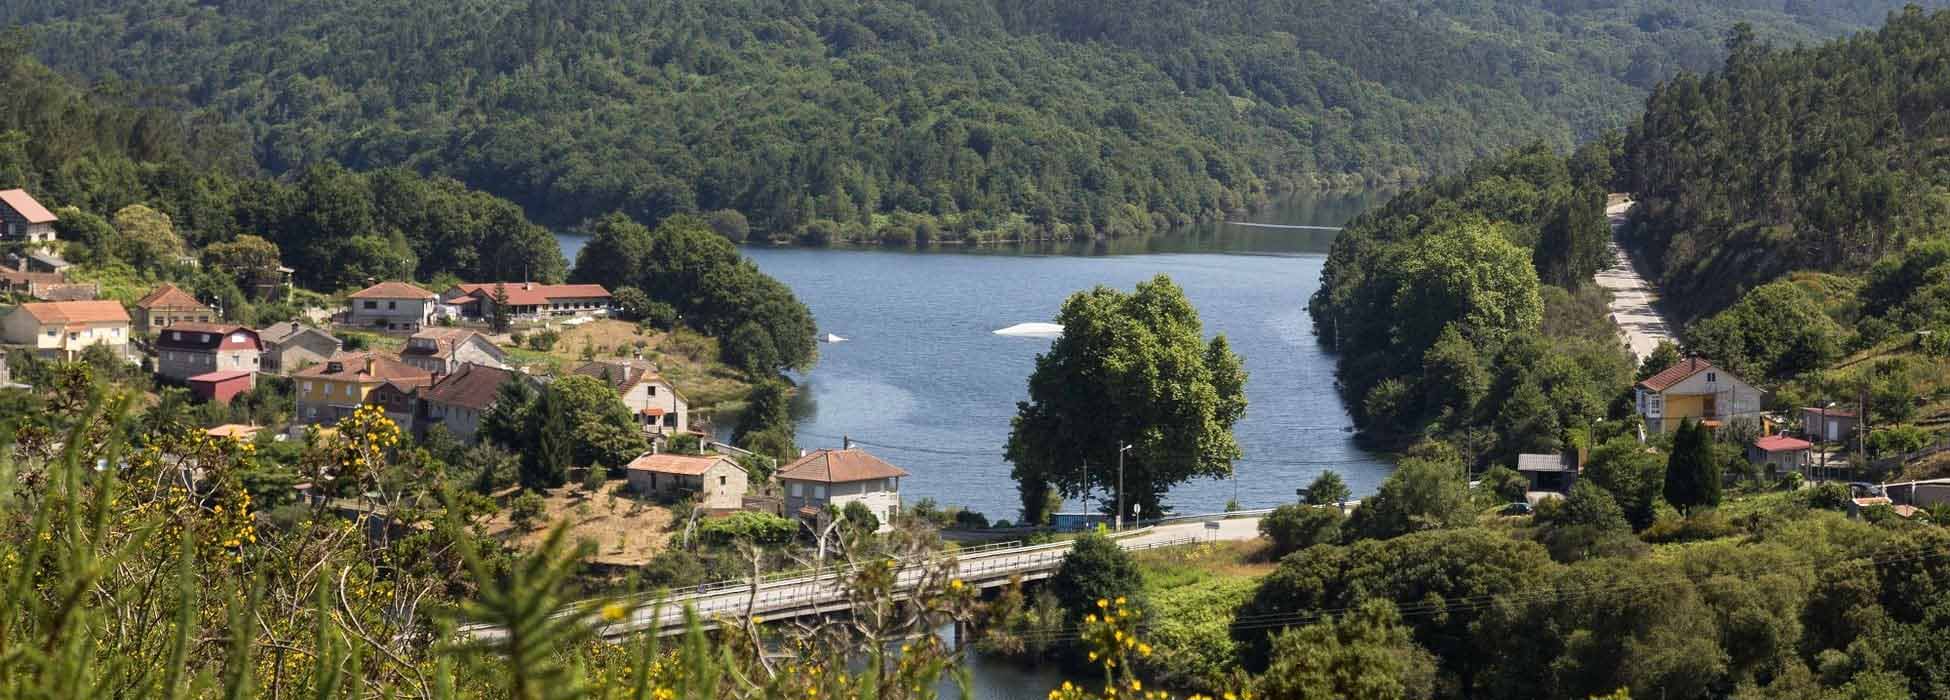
(1326, 489)
(1365, 654)
(250, 260)
(1422, 494)
(860, 519)
(1664, 355)
(1095, 569)
(1453, 378)
(1692, 472)
(1633, 474)
(1505, 483)
(1129, 369)
(527, 511)
(766, 425)
(498, 315)
(147, 237)
(547, 465)
(730, 224)
(1292, 527)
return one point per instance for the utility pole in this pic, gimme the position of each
(1121, 449)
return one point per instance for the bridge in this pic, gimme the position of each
(824, 592)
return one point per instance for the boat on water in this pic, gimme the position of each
(1033, 330)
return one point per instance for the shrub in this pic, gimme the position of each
(1095, 569)
(860, 519)
(752, 527)
(1294, 527)
(971, 520)
(1505, 483)
(1192, 649)
(1937, 342)
(527, 510)
(1698, 526)
(543, 341)
(594, 478)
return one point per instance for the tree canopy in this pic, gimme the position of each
(1130, 369)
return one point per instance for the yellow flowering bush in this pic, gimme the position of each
(1111, 635)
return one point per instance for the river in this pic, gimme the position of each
(923, 381)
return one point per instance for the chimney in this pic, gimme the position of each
(846, 442)
(369, 363)
(528, 285)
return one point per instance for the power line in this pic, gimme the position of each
(997, 454)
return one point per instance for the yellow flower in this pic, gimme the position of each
(955, 585)
(1144, 649)
(1120, 600)
(1102, 603)
(614, 612)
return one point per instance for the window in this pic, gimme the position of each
(311, 411)
(173, 335)
(392, 305)
(348, 390)
(307, 387)
(720, 480)
(652, 389)
(795, 491)
(372, 305)
(51, 332)
(1712, 377)
(819, 492)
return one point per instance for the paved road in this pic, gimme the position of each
(1633, 300)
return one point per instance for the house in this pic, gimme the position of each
(333, 389)
(65, 328)
(86, 291)
(40, 261)
(1548, 472)
(527, 299)
(1922, 493)
(24, 220)
(444, 350)
(1781, 454)
(169, 305)
(459, 399)
(398, 400)
(719, 482)
(656, 404)
(834, 478)
(1694, 388)
(184, 350)
(293, 346)
(1828, 424)
(46, 286)
(394, 306)
(223, 385)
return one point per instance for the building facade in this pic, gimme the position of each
(528, 299)
(333, 389)
(185, 350)
(1695, 389)
(835, 478)
(167, 306)
(460, 398)
(719, 484)
(393, 306)
(24, 220)
(292, 346)
(444, 350)
(62, 329)
(658, 408)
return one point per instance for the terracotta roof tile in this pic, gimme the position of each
(1781, 443)
(169, 296)
(24, 203)
(687, 465)
(352, 367)
(473, 387)
(70, 312)
(1676, 373)
(525, 294)
(392, 290)
(839, 466)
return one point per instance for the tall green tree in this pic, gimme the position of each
(1130, 369)
(1328, 489)
(1692, 471)
(1365, 654)
(1422, 494)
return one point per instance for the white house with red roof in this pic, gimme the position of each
(394, 306)
(835, 478)
(1782, 454)
(65, 328)
(655, 402)
(23, 219)
(528, 299)
(1695, 389)
(185, 350)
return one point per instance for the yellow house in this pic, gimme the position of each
(65, 328)
(333, 389)
(1694, 388)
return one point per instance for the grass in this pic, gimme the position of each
(685, 357)
(1191, 565)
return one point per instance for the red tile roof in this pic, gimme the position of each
(20, 201)
(839, 466)
(472, 387)
(70, 312)
(352, 367)
(687, 465)
(621, 374)
(1676, 373)
(1781, 443)
(529, 294)
(444, 341)
(169, 296)
(392, 290)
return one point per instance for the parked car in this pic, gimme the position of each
(1518, 508)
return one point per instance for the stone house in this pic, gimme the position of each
(167, 306)
(719, 482)
(185, 350)
(292, 346)
(393, 306)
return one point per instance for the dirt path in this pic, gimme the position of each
(1632, 298)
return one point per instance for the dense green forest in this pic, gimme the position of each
(901, 121)
(1463, 308)
(91, 157)
(1829, 158)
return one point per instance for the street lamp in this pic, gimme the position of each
(1120, 485)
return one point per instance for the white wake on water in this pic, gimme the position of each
(1033, 330)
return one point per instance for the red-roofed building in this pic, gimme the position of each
(168, 305)
(1780, 454)
(64, 328)
(222, 386)
(394, 306)
(23, 219)
(335, 388)
(719, 482)
(657, 405)
(528, 299)
(1695, 389)
(185, 350)
(836, 478)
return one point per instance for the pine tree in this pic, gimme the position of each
(498, 318)
(548, 465)
(1692, 474)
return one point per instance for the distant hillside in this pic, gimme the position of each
(906, 118)
(1826, 158)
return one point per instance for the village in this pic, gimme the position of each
(436, 365)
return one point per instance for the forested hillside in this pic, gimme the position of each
(1463, 309)
(1828, 158)
(904, 120)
